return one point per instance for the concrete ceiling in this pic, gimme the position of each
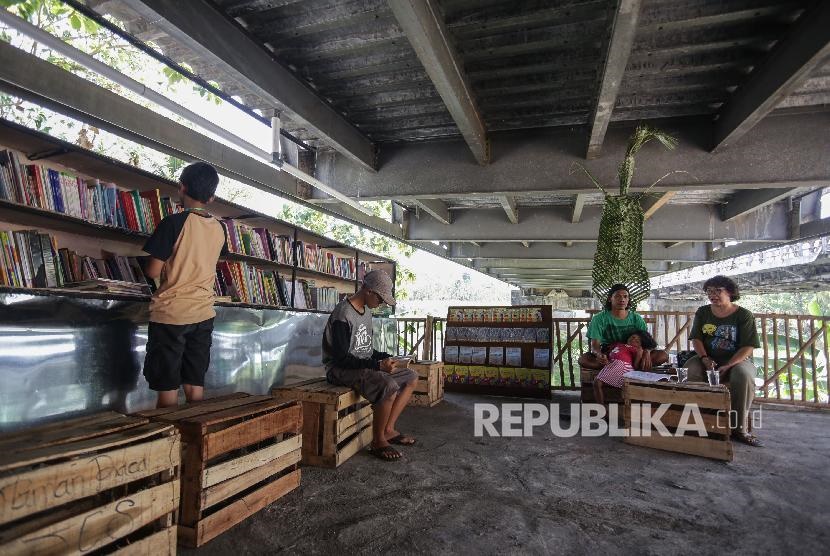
(470, 114)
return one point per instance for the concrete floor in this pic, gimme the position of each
(454, 493)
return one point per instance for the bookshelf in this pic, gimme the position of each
(314, 271)
(499, 350)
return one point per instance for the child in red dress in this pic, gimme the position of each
(622, 357)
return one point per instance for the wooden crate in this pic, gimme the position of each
(430, 388)
(107, 483)
(712, 401)
(337, 421)
(586, 381)
(240, 453)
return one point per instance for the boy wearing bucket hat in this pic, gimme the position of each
(351, 360)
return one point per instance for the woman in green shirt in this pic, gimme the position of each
(724, 337)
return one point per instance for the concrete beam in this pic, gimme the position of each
(43, 83)
(532, 161)
(423, 24)
(552, 265)
(654, 205)
(201, 28)
(579, 204)
(543, 253)
(508, 203)
(673, 223)
(744, 202)
(787, 66)
(437, 209)
(623, 29)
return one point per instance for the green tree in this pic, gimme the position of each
(356, 236)
(64, 22)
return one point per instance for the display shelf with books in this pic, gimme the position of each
(499, 350)
(97, 212)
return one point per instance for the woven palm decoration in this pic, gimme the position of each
(619, 256)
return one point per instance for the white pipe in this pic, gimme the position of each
(276, 140)
(41, 36)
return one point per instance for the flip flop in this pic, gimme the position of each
(748, 439)
(403, 440)
(385, 453)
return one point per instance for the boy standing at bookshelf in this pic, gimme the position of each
(350, 360)
(184, 251)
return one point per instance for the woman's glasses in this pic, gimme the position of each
(714, 291)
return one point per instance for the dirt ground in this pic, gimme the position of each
(455, 493)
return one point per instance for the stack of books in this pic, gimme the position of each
(110, 286)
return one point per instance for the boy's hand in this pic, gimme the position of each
(386, 365)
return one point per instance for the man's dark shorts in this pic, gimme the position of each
(373, 385)
(177, 354)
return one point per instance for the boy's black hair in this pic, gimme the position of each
(646, 341)
(723, 282)
(614, 289)
(199, 180)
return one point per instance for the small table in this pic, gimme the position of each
(712, 414)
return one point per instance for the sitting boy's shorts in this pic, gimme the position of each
(373, 385)
(177, 354)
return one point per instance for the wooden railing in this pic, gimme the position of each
(792, 361)
(412, 338)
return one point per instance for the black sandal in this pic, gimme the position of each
(401, 438)
(386, 453)
(747, 439)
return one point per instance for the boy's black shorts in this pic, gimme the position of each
(177, 354)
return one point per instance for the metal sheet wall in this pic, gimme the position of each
(64, 355)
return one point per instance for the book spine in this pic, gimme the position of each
(22, 242)
(48, 261)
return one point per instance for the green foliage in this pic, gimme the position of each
(619, 256)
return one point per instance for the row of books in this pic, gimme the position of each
(37, 186)
(242, 282)
(314, 257)
(249, 284)
(257, 242)
(31, 259)
(41, 187)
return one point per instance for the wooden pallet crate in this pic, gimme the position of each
(712, 402)
(240, 453)
(430, 388)
(337, 421)
(106, 482)
(586, 381)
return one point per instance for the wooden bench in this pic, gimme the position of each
(429, 390)
(712, 402)
(337, 422)
(106, 482)
(241, 453)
